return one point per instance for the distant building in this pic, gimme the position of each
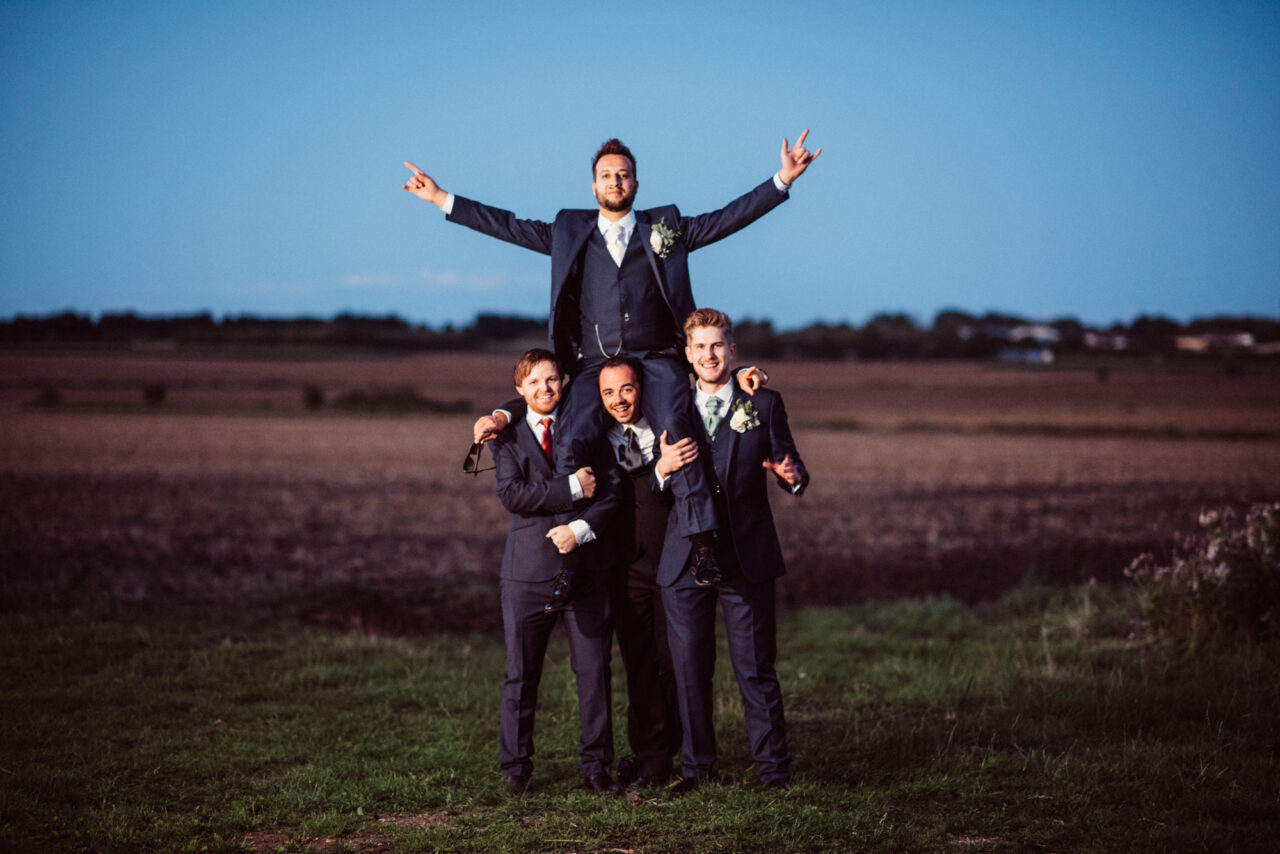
(1107, 341)
(1041, 333)
(1215, 342)
(1027, 355)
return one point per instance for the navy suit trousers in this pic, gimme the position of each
(528, 629)
(750, 618)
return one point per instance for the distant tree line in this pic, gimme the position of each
(953, 334)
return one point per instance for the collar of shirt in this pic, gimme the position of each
(725, 393)
(628, 224)
(644, 435)
(532, 419)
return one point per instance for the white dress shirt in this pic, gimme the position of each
(644, 436)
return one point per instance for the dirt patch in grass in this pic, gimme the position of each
(368, 840)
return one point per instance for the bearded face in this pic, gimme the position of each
(615, 185)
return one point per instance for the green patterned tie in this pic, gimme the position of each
(712, 418)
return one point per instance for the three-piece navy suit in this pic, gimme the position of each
(600, 309)
(751, 559)
(534, 497)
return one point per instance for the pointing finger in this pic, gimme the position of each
(415, 169)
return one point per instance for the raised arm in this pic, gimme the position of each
(422, 186)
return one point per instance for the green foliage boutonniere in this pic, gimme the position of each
(663, 238)
(743, 417)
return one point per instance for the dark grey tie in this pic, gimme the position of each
(712, 418)
(632, 456)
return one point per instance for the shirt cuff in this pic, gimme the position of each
(447, 207)
(582, 531)
(575, 488)
(782, 186)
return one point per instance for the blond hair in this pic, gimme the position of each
(709, 317)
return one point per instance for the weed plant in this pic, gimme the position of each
(1223, 586)
(1036, 723)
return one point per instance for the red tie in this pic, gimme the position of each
(546, 437)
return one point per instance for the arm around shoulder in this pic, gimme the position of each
(520, 493)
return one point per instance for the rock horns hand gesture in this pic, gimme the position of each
(423, 187)
(796, 159)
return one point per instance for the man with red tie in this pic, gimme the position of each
(534, 495)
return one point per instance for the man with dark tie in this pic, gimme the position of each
(534, 495)
(620, 286)
(746, 439)
(634, 544)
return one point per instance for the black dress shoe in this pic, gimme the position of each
(648, 781)
(601, 783)
(684, 785)
(561, 592)
(517, 784)
(706, 570)
(628, 769)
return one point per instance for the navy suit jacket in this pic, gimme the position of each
(564, 239)
(741, 489)
(527, 489)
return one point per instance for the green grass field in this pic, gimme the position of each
(1033, 724)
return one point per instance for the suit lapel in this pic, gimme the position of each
(726, 443)
(644, 233)
(565, 254)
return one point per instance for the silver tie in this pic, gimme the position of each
(712, 418)
(616, 247)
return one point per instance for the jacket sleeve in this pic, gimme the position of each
(504, 225)
(599, 509)
(704, 229)
(520, 493)
(782, 443)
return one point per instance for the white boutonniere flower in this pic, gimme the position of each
(743, 417)
(662, 238)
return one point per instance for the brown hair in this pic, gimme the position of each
(613, 146)
(624, 362)
(709, 317)
(531, 359)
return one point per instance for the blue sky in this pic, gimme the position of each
(1094, 159)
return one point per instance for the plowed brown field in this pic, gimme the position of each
(959, 479)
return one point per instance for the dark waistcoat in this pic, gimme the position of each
(645, 515)
(622, 308)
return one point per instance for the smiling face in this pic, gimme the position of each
(710, 349)
(620, 392)
(541, 388)
(615, 184)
